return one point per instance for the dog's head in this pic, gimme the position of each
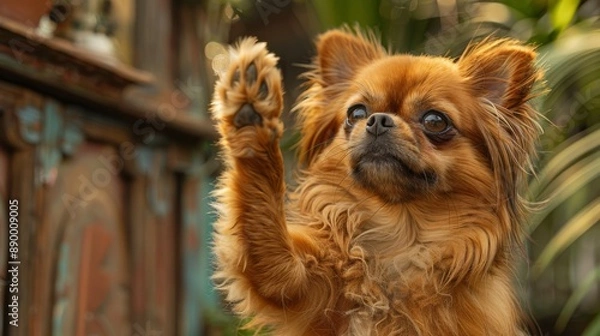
(415, 126)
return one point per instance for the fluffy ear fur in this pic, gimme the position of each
(502, 71)
(340, 54)
(501, 74)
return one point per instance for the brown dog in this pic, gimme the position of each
(407, 216)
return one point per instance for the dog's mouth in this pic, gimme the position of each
(394, 163)
(385, 164)
(391, 173)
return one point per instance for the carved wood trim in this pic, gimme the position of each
(56, 68)
(64, 60)
(155, 240)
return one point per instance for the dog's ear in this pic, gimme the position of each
(501, 74)
(340, 54)
(502, 71)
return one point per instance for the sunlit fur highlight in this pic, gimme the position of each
(336, 258)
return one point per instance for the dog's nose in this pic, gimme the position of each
(379, 123)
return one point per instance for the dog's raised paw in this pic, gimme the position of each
(249, 93)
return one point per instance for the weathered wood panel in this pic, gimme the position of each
(88, 254)
(110, 241)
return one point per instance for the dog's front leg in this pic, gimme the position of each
(256, 256)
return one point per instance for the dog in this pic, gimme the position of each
(407, 216)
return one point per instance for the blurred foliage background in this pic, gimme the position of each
(560, 278)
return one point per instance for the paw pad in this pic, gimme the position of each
(246, 116)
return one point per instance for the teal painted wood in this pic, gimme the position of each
(192, 300)
(30, 123)
(201, 302)
(49, 150)
(63, 279)
(152, 161)
(72, 134)
(210, 296)
(54, 136)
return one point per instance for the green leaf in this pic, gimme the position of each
(562, 13)
(576, 298)
(333, 13)
(566, 154)
(572, 230)
(593, 329)
(565, 186)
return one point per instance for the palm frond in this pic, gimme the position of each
(575, 299)
(572, 230)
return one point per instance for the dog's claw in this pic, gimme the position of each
(246, 116)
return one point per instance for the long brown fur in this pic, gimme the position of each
(421, 244)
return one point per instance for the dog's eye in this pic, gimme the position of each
(437, 126)
(355, 113)
(435, 122)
